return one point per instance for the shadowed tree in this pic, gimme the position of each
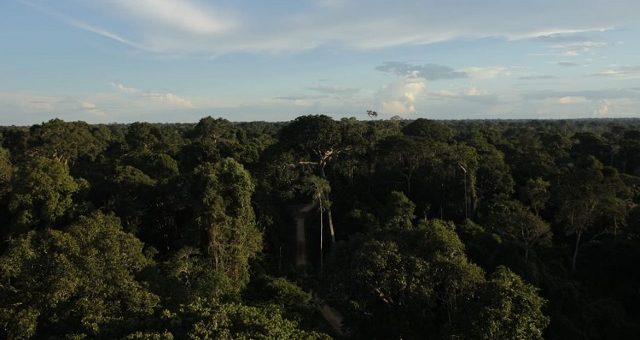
(319, 189)
(536, 194)
(506, 307)
(317, 140)
(594, 201)
(6, 170)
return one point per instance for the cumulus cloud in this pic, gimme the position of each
(567, 64)
(400, 97)
(604, 108)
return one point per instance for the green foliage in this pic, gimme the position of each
(80, 280)
(224, 218)
(42, 192)
(515, 223)
(314, 135)
(6, 170)
(201, 198)
(429, 129)
(190, 277)
(398, 211)
(67, 142)
(536, 194)
(407, 283)
(234, 321)
(507, 308)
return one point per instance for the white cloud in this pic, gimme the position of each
(400, 97)
(604, 108)
(428, 71)
(628, 72)
(195, 26)
(572, 100)
(578, 48)
(489, 72)
(170, 99)
(121, 87)
(110, 35)
(167, 98)
(88, 105)
(335, 91)
(184, 15)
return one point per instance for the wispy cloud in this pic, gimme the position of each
(427, 71)
(489, 72)
(166, 98)
(194, 26)
(578, 48)
(625, 72)
(110, 35)
(587, 94)
(567, 64)
(538, 77)
(334, 90)
(184, 15)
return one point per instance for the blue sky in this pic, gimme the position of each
(179, 60)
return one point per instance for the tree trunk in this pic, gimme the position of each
(329, 215)
(331, 230)
(321, 232)
(575, 251)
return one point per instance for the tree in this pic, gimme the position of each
(429, 129)
(402, 155)
(318, 141)
(42, 192)
(80, 280)
(515, 223)
(405, 283)
(536, 194)
(593, 200)
(236, 321)
(67, 142)
(6, 170)
(506, 308)
(398, 212)
(319, 189)
(225, 226)
(189, 278)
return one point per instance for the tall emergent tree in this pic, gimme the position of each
(224, 219)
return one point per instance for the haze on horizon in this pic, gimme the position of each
(179, 60)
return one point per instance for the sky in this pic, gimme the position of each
(104, 61)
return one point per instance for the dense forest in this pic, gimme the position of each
(320, 228)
